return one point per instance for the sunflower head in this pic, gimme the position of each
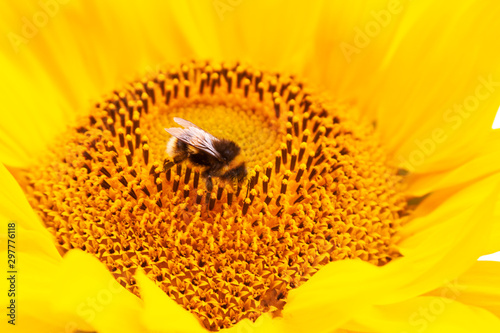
(315, 188)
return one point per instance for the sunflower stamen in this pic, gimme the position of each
(277, 106)
(175, 83)
(168, 95)
(277, 162)
(219, 192)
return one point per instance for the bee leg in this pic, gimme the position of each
(179, 158)
(207, 200)
(209, 184)
(167, 164)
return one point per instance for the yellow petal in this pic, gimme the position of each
(277, 35)
(484, 164)
(443, 243)
(14, 208)
(409, 64)
(54, 294)
(36, 295)
(495, 232)
(34, 261)
(69, 63)
(264, 324)
(26, 128)
(479, 286)
(161, 313)
(425, 314)
(77, 293)
(343, 58)
(329, 299)
(88, 289)
(442, 73)
(448, 241)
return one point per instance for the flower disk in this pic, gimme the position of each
(318, 190)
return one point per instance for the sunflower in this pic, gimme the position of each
(371, 167)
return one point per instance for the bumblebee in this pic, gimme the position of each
(219, 158)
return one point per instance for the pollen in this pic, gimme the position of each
(319, 189)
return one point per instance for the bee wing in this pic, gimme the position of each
(195, 137)
(184, 123)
